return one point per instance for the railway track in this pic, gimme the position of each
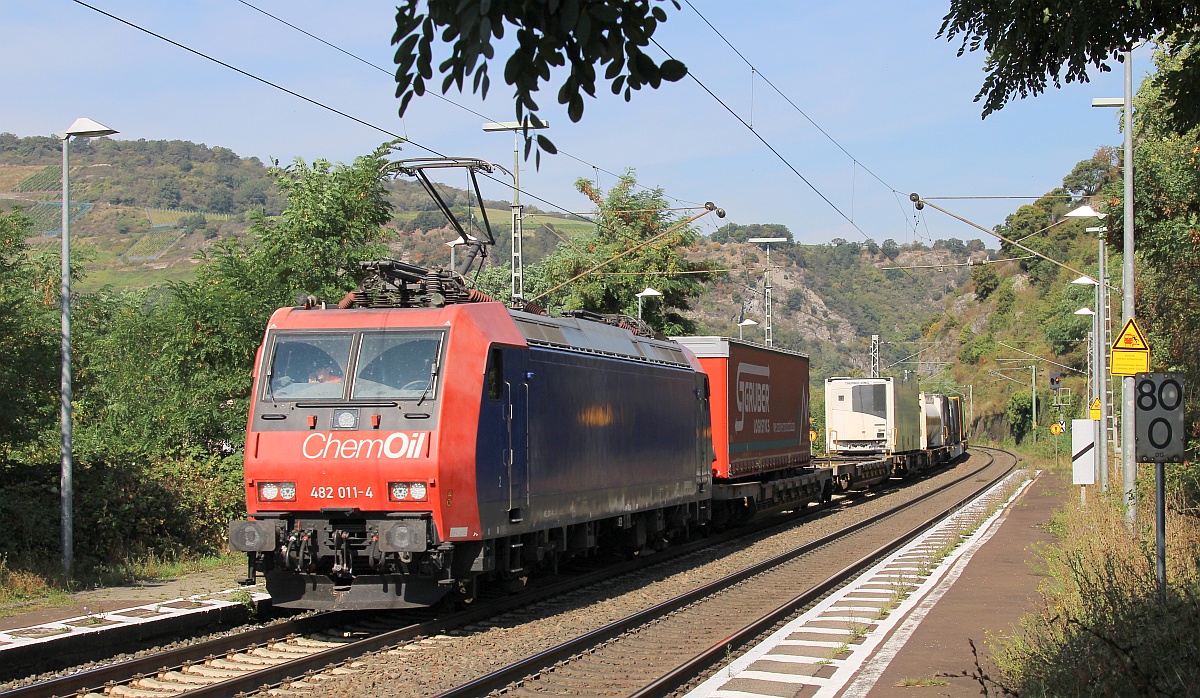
(655, 651)
(301, 654)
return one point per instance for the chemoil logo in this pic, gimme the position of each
(400, 444)
(753, 392)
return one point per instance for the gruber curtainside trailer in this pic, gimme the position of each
(759, 401)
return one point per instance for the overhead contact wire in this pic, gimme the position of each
(315, 103)
(770, 147)
(445, 99)
(787, 99)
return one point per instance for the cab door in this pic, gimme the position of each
(516, 431)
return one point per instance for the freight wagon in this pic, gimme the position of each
(889, 417)
(760, 410)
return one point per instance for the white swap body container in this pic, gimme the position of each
(872, 415)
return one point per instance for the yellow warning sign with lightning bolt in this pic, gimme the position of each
(1130, 353)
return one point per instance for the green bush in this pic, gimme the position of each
(125, 511)
(1103, 629)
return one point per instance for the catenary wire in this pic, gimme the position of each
(757, 72)
(387, 72)
(772, 148)
(854, 160)
(314, 102)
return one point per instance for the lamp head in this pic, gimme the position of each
(530, 124)
(1085, 212)
(85, 128)
(648, 292)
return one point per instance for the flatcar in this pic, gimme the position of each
(890, 417)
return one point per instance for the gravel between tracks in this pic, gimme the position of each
(435, 664)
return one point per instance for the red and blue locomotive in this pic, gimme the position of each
(401, 450)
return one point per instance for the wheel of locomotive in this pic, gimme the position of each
(514, 585)
(827, 492)
(464, 594)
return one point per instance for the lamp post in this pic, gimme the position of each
(85, 128)
(745, 323)
(1099, 374)
(648, 292)
(1033, 398)
(1128, 464)
(1102, 321)
(767, 283)
(518, 266)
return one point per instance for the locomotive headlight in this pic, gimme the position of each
(407, 491)
(271, 491)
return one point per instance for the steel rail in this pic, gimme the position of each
(698, 664)
(505, 676)
(179, 657)
(174, 659)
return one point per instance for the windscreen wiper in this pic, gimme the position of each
(429, 385)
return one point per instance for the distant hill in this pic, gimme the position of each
(141, 210)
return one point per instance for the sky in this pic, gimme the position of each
(891, 103)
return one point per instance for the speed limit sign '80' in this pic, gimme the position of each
(1158, 422)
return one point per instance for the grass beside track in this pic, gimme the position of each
(32, 587)
(1102, 628)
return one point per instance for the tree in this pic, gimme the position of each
(1018, 413)
(632, 232)
(732, 232)
(1033, 44)
(1167, 223)
(186, 349)
(333, 220)
(28, 337)
(985, 280)
(1090, 175)
(581, 34)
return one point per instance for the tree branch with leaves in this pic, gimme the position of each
(579, 34)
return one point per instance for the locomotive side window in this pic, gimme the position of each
(308, 366)
(397, 365)
(495, 375)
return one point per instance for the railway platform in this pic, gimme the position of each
(129, 613)
(905, 627)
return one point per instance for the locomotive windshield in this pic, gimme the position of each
(396, 364)
(307, 366)
(320, 366)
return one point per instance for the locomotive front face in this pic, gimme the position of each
(345, 421)
(351, 457)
